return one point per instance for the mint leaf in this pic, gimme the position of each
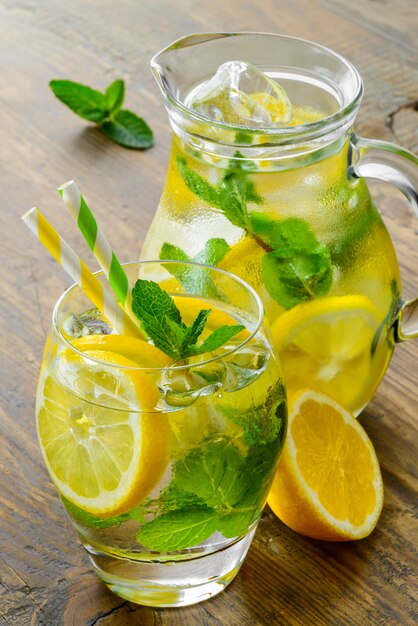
(357, 224)
(297, 276)
(115, 95)
(219, 336)
(262, 460)
(230, 196)
(213, 252)
(88, 519)
(177, 530)
(129, 130)
(194, 331)
(214, 472)
(178, 332)
(88, 103)
(161, 321)
(197, 184)
(292, 232)
(173, 253)
(236, 190)
(240, 519)
(261, 423)
(172, 498)
(299, 268)
(122, 126)
(260, 465)
(243, 137)
(196, 279)
(159, 316)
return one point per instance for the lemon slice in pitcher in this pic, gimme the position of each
(326, 344)
(103, 447)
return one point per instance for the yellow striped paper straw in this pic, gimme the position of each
(98, 244)
(98, 293)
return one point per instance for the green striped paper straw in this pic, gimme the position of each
(98, 244)
(99, 293)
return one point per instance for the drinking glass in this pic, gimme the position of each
(163, 467)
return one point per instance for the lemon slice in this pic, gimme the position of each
(142, 353)
(278, 105)
(244, 260)
(328, 483)
(107, 451)
(326, 344)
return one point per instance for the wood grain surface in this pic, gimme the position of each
(287, 579)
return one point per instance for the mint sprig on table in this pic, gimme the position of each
(162, 322)
(296, 266)
(105, 109)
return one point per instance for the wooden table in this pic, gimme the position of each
(287, 579)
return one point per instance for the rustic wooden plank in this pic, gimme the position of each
(287, 579)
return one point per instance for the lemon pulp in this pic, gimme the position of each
(328, 483)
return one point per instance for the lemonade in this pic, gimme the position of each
(163, 466)
(296, 235)
(266, 180)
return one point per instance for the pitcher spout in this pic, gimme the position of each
(177, 65)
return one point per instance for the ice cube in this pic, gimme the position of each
(87, 323)
(241, 94)
(244, 366)
(182, 387)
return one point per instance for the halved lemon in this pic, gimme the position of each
(326, 344)
(328, 483)
(103, 446)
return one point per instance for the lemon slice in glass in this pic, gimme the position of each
(103, 445)
(141, 352)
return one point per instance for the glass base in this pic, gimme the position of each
(170, 584)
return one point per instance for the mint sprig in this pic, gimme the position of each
(232, 194)
(296, 266)
(214, 487)
(299, 267)
(162, 322)
(104, 109)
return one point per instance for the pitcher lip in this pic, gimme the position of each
(289, 133)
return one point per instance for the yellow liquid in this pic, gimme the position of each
(337, 210)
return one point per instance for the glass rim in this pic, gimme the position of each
(57, 327)
(299, 132)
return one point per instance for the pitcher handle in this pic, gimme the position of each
(386, 161)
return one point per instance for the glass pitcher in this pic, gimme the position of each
(288, 209)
